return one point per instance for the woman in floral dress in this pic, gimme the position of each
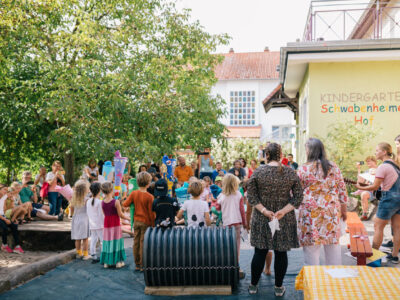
(324, 203)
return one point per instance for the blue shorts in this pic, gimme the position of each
(35, 207)
(389, 205)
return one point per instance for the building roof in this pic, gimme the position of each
(243, 131)
(250, 65)
(297, 56)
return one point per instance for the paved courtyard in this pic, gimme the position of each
(84, 280)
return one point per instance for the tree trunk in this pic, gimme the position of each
(69, 167)
(8, 176)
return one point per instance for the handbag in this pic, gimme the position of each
(378, 192)
(44, 191)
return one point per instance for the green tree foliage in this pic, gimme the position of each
(230, 150)
(346, 143)
(82, 78)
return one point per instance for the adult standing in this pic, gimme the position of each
(91, 171)
(182, 171)
(142, 168)
(205, 162)
(237, 170)
(291, 163)
(54, 178)
(243, 164)
(253, 167)
(218, 171)
(41, 177)
(194, 166)
(324, 203)
(388, 178)
(269, 193)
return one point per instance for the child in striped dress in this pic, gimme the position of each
(112, 252)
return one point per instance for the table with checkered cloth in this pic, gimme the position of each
(372, 283)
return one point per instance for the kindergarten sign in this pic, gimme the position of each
(364, 106)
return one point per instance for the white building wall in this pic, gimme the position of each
(275, 117)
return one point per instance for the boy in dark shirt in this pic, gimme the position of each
(164, 206)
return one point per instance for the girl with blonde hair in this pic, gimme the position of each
(232, 206)
(80, 219)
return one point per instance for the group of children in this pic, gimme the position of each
(96, 213)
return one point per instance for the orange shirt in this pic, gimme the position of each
(143, 202)
(183, 173)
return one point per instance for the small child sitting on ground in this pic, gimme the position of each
(197, 211)
(6, 225)
(164, 206)
(206, 195)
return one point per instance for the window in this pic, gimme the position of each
(282, 133)
(244, 103)
(285, 133)
(275, 132)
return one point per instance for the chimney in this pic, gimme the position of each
(266, 49)
(231, 50)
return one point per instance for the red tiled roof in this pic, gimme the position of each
(270, 95)
(251, 65)
(243, 131)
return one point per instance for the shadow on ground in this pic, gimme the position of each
(84, 280)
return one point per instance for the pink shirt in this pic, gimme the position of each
(206, 193)
(49, 177)
(388, 174)
(232, 208)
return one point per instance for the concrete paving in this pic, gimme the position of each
(83, 280)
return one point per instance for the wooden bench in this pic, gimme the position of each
(360, 246)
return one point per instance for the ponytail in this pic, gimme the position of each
(93, 201)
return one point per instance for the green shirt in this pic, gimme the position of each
(26, 194)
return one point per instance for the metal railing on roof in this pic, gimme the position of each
(343, 20)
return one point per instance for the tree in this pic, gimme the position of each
(345, 142)
(230, 150)
(89, 77)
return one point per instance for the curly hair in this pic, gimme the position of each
(81, 189)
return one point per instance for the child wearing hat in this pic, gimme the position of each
(164, 206)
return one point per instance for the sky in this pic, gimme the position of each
(252, 24)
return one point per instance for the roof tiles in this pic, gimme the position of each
(243, 131)
(251, 65)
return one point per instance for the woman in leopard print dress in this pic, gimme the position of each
(274, 191)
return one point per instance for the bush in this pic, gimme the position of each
(345, 143)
